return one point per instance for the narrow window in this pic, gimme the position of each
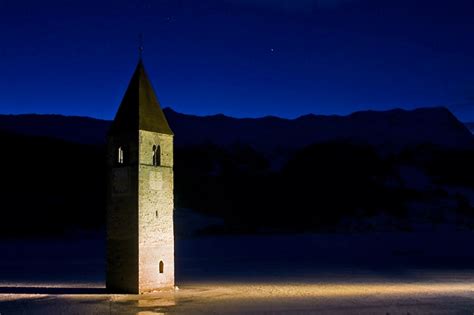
(156, 155)
(120, 155)
(162, 266)
(156, 213)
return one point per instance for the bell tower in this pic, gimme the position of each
(140, 237)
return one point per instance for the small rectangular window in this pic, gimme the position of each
(120, 155)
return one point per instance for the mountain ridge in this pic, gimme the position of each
(388, 130)
(327, 169)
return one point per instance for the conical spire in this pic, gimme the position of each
(140, 108)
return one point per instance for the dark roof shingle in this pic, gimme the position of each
(140, 108)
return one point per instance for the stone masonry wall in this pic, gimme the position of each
(155, 217)
(122, 216)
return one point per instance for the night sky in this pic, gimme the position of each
(244, 58)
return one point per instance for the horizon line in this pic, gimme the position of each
(168, 108)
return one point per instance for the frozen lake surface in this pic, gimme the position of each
(370, 273)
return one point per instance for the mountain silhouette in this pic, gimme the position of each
(385, 130)
(248, 172)
(470, 126)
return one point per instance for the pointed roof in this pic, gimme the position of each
(140, 108)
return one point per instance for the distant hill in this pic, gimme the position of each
(390, 130)
(470, 126)
(54, 179)
(77, 129)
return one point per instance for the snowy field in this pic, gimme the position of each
(372, 273)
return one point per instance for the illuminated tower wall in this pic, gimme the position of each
(140, 236)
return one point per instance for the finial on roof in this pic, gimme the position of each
(140, 46)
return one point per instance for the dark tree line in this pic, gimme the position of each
(51, 186)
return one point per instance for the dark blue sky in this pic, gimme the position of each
(243, 58)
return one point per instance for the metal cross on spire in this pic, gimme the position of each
(140, 46)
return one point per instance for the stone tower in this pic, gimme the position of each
(140, 237)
